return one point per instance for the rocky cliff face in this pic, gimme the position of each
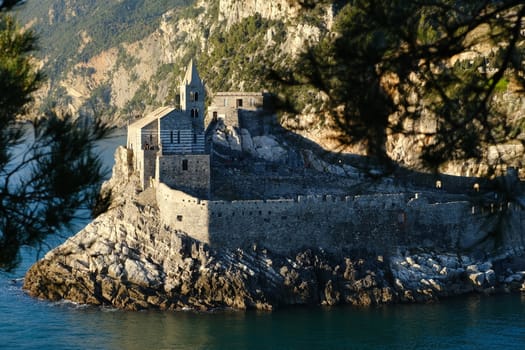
(124, 80)
(127, 80)
(128, 259)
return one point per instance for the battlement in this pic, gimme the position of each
(376, 221)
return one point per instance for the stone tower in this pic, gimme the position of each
(192, 94)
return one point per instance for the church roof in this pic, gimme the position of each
(192, 76)
(151, 117)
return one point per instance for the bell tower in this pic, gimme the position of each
(192, 96)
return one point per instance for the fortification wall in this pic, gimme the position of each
(372, 222)
(191, 171)
(183, 212)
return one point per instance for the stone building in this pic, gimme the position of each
(170, 155)
(244, 110)
(169, 144)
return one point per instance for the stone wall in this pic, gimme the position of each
(183, 212)
(190, 172)
(381, 223)
(227, 105)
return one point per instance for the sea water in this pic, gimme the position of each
(473, 322)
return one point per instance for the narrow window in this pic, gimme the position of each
(192, 96)
(225, 102)
(192, 113)
(196, 96)
(239, 102)
(196, 113)
(215, 116)
(184, 164)
(194, 137)
(178, 136)
(171, 136)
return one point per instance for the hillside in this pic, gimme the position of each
(121, 59)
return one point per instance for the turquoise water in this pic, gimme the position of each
(460, 323)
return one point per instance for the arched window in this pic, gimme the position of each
(196, 96)
(192, 113)
(196, 113)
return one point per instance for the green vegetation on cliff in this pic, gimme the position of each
(242, 54)
(76, 30)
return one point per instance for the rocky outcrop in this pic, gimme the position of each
(127, 258)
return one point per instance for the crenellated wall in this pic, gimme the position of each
(379, 222)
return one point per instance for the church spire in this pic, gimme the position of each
(192, 76)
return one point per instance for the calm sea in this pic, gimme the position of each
(460, 323)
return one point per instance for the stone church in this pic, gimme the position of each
(169, 143)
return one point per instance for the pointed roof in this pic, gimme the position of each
(192, 76)
(156, 114)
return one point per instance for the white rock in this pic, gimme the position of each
(269, 149)
(234, 140)
(472, 268)
(115, 270)
(490, 277)
(477, 278)
(247, 142)
(101, 248)
(135, 272)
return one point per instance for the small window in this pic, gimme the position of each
(196, 96)
(184, 164)
(194, 138)
(239, 102)
(178, 136)
(196, 113)
(192, 96)
(179, 217)
(171, 136)
(215, 116)
(225, 102)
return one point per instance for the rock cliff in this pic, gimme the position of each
(126, 258)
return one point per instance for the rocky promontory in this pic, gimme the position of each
(127, 258)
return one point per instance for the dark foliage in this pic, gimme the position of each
(387, 62)
(48, 170)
